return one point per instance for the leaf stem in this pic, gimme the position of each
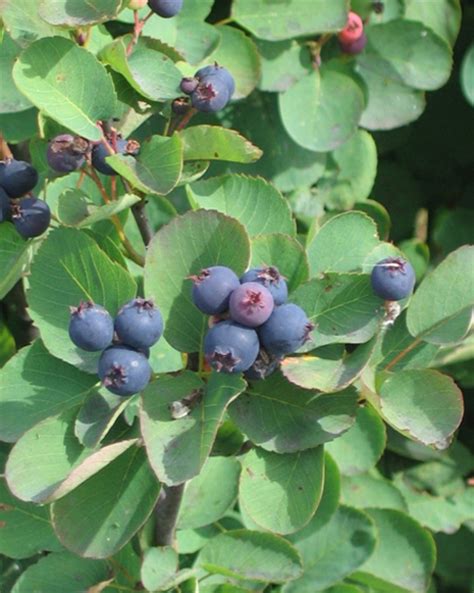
(166, 514)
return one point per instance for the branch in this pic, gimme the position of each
(166, 514)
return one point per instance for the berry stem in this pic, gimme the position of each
(166, 514)
(137, 30)
(5, 152)
(183, 123)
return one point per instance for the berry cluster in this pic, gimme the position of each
(210, 89)
(124, 342)
(352, 39)
(30, 215)
(253, 327)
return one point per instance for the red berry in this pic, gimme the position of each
(353, 29)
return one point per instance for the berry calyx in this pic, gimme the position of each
(353, 29)
(211, 95)
(214, 70)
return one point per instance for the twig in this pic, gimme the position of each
(166, 514)
(183, 123)
(5, 151)
(137, 30)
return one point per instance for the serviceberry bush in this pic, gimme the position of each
(236, 296)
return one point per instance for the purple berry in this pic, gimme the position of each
(67, 153)
(271, 278)
(286, 330)
(31, 217)
(212, 289)
(17, 177)
(100, 152)
(188, 85)
(123, 370)
(139, 324)
(251, 304)
(219, 72)
(393, 279)
(354, 47)
(166, 8)
(230, 347)
(5, 206)
(211, 95)
(91, 328)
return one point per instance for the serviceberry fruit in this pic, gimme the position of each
(354, 47)
(91, 328)
(139, 323)
(271, 278)
(17, 177)
(286, 330)
(5, 206)
(188, 85)
(251, 304)
(212, 289)
(67, 153)
(166, 8)
(263, 367)
(31, 217)
(393, 278)
(211, 95)
(123, 370)
(100, 152)
(230, 347)
(220, 72)
(353, 29)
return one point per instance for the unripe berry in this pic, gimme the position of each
(353, 29)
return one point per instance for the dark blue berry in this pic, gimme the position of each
(230, 347)
(251, 304)
(220, 72)
(5, 206)
(286, 330)
(100, 152)
(67, 153)
(188, 85)
(264, 366)
(139, 323)
(166, 8)
(123, 370)
(212, 289)
(211, 95)
(91, 328)
(31, 217)
(271, 278)
(393, 279)
(354, 47)
(17, 177)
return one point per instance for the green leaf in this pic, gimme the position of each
(210, 494)
(82, 271)
(75, 209)
(334, 551)
(100, 516)
(283, 64)
(446, 293)
(378, 213)
(419, 57)
(149, 71)
(284, 252)
(293, 482)
(329, 370)
(360, 448)
(252, 201)
(186, 245)
(57, 573)
(11, 100)
(467, 75)
(306, 419)
(81, 13)
(26, 528)
(424, 405)
(454, 555)
(17, 127)
(217, 143)
(178, 449)
(97, 416)
(342, 243)
(317, 114)
(159, 567)
(443, 17)
(296, 18)
(157, 169)
(34, 386)
(404, 556)
(343, 308)
(371, 490)
(244, 554)
(14, 255)
(56, 75)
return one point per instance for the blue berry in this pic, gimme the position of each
(123, 370)
(139, 324)
(166, 8)
(264, 366)
(67, 153)
(230, 347)
(17, 177)
(211, 95)
(220, 72)
(286, 330)
(354, 47)
(212, 289)
(5, 206)
(31, 217)
(188, 85)
(91, 328)
(271, 278)
(393, 279)
(251, 304)
(100, 152)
